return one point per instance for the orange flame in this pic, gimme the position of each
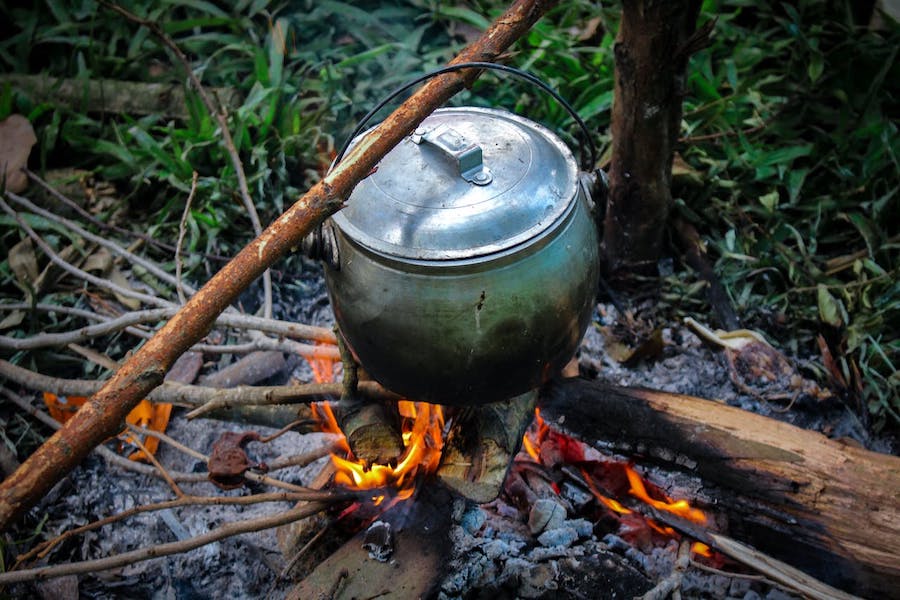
(539, 432)
(422, 430)
(422, 427)
(680, 508)
(701, 549)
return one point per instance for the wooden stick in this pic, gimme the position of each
(104, 415)
(127, 558)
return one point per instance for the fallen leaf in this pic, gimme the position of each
(228, 461)
(756, 364)
(13, 319)
(23, 263)
(16, 139)
(117, 277)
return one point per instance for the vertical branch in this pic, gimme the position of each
(179, 285)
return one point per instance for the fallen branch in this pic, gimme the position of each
(112, 95)
(44, 548)
(108, 455)
(104, 414)
(155, 315)
(181, 393)
(128, 558)
(825, 506)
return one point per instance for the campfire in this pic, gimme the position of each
(622, 497)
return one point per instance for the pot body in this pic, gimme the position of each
(468, 332)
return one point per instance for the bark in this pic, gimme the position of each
(825, 507)
(104, 415)
(113, 96)
(482, 444)
(651, 52)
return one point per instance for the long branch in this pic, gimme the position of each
(127, 558)
(186, 394)
(105, 413)
(44, 340)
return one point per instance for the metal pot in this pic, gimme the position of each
(464, 269)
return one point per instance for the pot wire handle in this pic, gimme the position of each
(592, 158)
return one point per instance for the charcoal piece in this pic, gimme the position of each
(379, 541)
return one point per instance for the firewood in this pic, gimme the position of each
(420, 549)
(825, 507)
(481, 444)
(372, 430)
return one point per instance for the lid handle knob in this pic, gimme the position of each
(466, 154)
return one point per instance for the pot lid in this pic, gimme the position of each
(468, 182)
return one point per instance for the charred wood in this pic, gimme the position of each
(825, 507)
(481, 445)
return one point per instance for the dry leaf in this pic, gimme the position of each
(100, 261)
(23, 263)
(16, 139)
(52, 273)
(12, 319)
(117, 277)
(757, 366)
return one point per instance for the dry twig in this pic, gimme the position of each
(179, 284)
(179, 393)
(155, 315)
(127, 558)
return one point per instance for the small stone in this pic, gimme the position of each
(545, 514)
(561, 536)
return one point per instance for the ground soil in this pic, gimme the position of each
(494, 554)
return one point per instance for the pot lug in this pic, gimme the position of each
(321, 244)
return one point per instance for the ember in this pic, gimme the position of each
(550, 447)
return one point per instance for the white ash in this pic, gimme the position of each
(239, 567)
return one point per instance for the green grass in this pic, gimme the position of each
(790, 118)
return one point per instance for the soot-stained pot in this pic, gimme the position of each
(465, 266)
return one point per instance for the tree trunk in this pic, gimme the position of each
(825, 507)
(652, 48)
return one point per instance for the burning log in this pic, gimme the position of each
(481, 446)
(825, 507)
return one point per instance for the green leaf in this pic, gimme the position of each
(816, 66)
(769, 201)
(829, 307)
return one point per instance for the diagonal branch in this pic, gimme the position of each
(105, 414)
